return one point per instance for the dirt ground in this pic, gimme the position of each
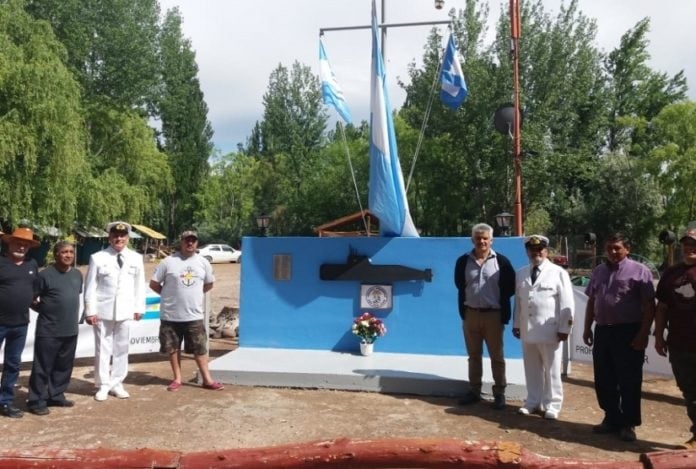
(194, 419)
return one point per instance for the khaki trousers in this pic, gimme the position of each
(480, 327)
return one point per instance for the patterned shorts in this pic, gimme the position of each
(192, 333)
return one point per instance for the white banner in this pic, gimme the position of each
(144, 334)
(580, 352)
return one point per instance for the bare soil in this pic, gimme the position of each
(195, 419)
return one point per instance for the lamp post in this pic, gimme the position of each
(262, 221)
(508, 117)
(502, 221)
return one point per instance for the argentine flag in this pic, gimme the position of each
(387, 199)
(453, 87)
(330, 91)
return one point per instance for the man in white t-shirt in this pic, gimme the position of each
(182, 280)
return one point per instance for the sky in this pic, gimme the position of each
(238, 43)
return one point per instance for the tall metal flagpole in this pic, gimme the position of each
(517, 137)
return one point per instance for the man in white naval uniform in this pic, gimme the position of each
(114, 294)
(543, 318)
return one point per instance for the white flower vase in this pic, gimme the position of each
(366, 349)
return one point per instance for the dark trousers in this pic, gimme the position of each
(14, 337)
(684, 367)
(618, 373)
(51, 370)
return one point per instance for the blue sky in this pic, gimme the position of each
(238, 44)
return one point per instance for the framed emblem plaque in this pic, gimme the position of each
(375, 296)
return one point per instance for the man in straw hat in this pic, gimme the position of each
(17, 283)
(114, 294)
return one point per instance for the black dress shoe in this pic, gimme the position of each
(8, 410)
(469, 398)
(39, 410)
(605, 428)
(499, 401)
(63, 403)
(627, 434)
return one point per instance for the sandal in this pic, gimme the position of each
(174, 386)
(215, 386)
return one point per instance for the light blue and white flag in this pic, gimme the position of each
(453, 86)
(330, 91)
(387, 197)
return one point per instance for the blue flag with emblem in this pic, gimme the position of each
(387, 198)
(453, 90)
(330, 91)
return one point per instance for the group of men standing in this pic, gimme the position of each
(621, 307)
(114, 295)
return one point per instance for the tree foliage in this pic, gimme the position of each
(102, 116)
(42, 155)
(186, 131)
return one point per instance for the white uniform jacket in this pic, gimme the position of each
(546, 308)
(113, 293)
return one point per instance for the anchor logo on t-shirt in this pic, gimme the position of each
(188, 278)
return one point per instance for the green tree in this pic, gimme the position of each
(112, 46)
(672, 161)
(126, 164)
(186, 131)
(287, 142)
(635, 89)
(42, 153)
(624, 198)
(226, 201)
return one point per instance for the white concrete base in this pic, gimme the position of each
(398, 373)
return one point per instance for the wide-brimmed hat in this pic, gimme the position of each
(22, 234)
(118, 226)
(536, 241)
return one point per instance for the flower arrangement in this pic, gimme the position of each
(368, 328)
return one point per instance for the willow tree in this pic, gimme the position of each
(42, 144)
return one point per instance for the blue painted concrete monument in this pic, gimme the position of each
(295, 326)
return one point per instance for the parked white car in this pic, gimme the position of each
(220, 253)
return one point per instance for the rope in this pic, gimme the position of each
(352, 173)
(426, 117)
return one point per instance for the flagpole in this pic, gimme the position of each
(517, 137)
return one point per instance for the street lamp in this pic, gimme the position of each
(439, 4)
(667, 239)
(262, 221)
(502, 221)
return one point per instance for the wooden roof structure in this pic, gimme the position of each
(350, 225)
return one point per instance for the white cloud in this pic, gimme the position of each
(239, 43)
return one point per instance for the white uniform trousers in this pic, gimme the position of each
(542, 371)
(111, 338)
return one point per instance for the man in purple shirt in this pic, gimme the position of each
(621, 300)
